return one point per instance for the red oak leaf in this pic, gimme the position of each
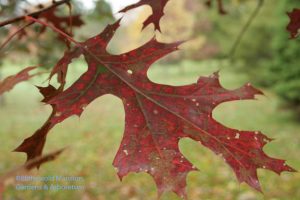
(294, 25)
(10, 82)
(158, 116)
(157, 7)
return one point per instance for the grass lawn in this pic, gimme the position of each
(95, 137)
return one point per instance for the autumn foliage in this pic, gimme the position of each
(157, 116)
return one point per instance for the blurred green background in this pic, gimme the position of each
(265, 57)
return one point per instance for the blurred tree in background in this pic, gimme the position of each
(283, 71)
(265, 52)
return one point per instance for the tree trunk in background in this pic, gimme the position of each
(2, 100)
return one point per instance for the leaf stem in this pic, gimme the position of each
(53, 28)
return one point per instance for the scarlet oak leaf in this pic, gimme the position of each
(157, 116)
(294, 25)
(9, 83)
(157, 7)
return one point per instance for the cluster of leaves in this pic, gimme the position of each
(157, 116)
(34, 40)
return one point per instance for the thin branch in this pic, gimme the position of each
(54, 28)
(245, 28)
(70, 18)
(34, 14)
(13, 35)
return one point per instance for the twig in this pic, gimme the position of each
(70, 18)
(34, 14)
(14, 34)
(245, 28)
